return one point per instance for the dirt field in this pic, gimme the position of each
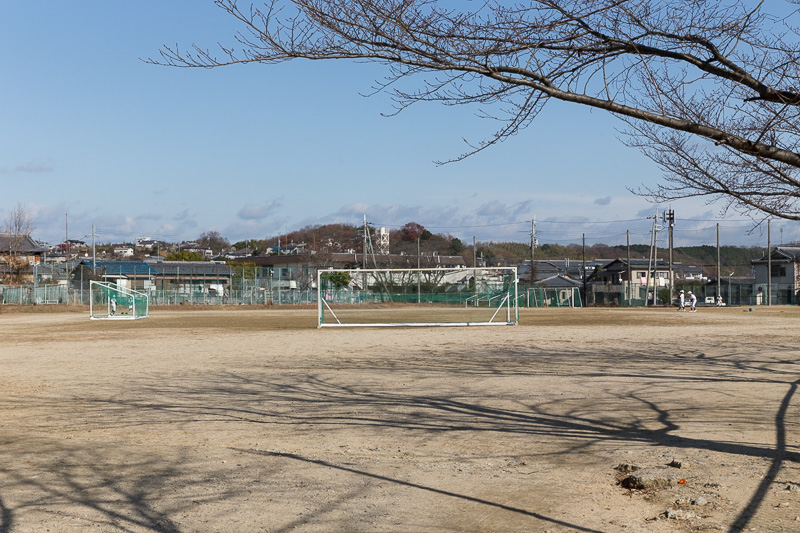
(253, 420)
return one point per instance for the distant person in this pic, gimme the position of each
(113, 306)
(719, 300)
(692, 302)
(681, 301)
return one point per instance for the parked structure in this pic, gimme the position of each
(181, 276)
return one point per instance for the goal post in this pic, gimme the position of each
(109, 301)
(424, 297)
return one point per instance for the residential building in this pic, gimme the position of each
(20, 247)
(123, 251)
(193, 247)
(619, 282)
(17, 252)
(783, 279)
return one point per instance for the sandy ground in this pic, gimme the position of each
(253, 420)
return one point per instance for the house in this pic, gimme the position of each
(123, 251)
(21, 248)
(195, 248)
(554, 291)
(70, 246)
(547, 268)
(148, 244)
(16, 253)
(619, 282)
(288, 249)
(783, 279)
(233, 255)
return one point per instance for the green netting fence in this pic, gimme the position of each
(111, 301)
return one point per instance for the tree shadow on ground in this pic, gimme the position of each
(82, 485)
(330, 398)
(326, 464)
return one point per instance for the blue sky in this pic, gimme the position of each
(93, 135)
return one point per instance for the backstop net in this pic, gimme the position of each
(109, 301)
(417, 297)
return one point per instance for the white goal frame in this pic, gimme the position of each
(103, 310)
(504, 301)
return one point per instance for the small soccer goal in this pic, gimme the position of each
(428, 297)
(109, 301)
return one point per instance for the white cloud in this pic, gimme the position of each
(34, 167)
(259, 211)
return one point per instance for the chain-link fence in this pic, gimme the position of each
(733, 294)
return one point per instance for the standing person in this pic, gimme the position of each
(692, 302)
(719, 300)
(113, 306)
(681, 301)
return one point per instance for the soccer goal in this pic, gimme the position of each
(428, 297)
(109, 301)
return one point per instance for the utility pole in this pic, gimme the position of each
(769, 264)
(655, 258)
(583, 268)
(533, 239)
(669, 217)
(719, 271)
(66, 236)
(652, 265)
(630, 274)
(94, 250)
(649, 265)
(533, 246)
(419, 288)
(364, 246)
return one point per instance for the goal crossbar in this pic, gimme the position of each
(453, 297)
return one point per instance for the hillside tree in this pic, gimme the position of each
(215, 241)
(708, 89)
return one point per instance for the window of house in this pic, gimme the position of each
(778, 271)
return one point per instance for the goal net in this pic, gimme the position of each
(417, 297)
(109, 301)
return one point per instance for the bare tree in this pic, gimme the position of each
(19, 222)
(18, 226)
(709, 88)
(215, 241)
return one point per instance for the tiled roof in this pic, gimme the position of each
(19, 243)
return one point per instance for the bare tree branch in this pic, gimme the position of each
(710, 89)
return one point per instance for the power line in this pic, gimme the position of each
(574, 222)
